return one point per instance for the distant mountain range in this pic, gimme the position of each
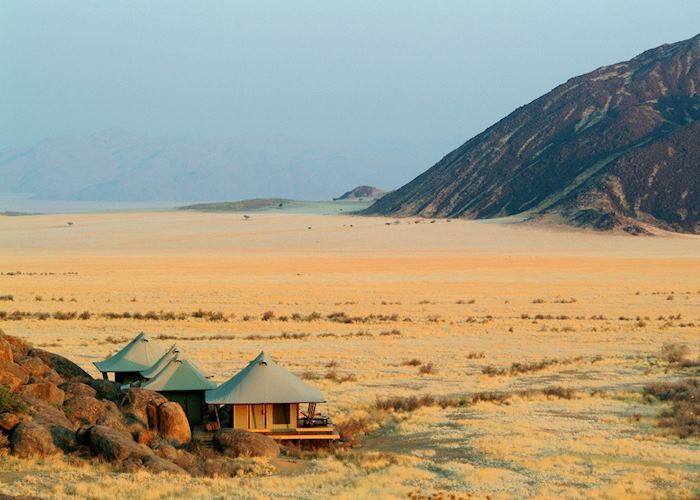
(116, 165)
(616, 148)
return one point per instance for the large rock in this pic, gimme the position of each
(11, 375)
(5, 350)
(157, 465)
(173, 425)
(237, 443)
(113, 445)
(46, 391)
(65, 368)
(136, 402)
(18, 346)
(106, 389)
(32, 365)
(32, 440)
(45, 413)
(77, 389)
(84, 410)
(53, 420)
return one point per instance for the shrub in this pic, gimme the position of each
(412, 362)
(268, 316)
(352, 429)
(683, 419)
(674, 353)
(84, 315)
(559, 392)
(476, 355)
(333, 375)
(7, 297)
(10, 402)
(427, 369)
(389, 333)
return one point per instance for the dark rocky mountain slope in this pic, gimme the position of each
(616, 148)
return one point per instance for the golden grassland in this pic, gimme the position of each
(566, 326)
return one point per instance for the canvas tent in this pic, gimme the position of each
(181, 381)
(264, 397)
(170, 354)
(139, 354)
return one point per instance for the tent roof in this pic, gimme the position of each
(171, 354)
(179, 375)
(264, 381)
(137, 355)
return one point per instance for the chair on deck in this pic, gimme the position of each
(312, 419)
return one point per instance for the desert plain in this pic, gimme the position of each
(557, 330)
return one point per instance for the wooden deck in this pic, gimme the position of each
(328, 433)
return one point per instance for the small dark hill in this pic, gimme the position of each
(362, 192)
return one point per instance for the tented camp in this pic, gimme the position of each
(139, 354)
(169, 355)
(181, 381)
(266, 398)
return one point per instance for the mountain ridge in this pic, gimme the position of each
(580, 152)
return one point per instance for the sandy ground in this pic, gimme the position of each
(460, 295)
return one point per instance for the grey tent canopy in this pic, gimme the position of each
(171, 354)
(264, 381)
(179, 375)
(139, 354)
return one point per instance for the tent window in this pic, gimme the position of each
(281, 414)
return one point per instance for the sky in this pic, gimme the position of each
(337, 74)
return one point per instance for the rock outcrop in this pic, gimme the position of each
(135, 430)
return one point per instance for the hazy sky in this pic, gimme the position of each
(429, 73)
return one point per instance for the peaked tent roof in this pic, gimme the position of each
(264, 381)
(179, 375)
(171, 354)
(137, 355)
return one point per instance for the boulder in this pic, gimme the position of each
(157, 465)
(47, 391)
(18, 346)
(11, 375)
(145, 437)
(173, 425)
(77, 389)
(237, 443)
(136, 402)
(8, 421)
(32, 440)
(65, 368)
(106, 389)
(32, 365)
(113, 445)
(53, 420)
(45, 413)
(84, 410)
(164, 449)
(5, 350)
